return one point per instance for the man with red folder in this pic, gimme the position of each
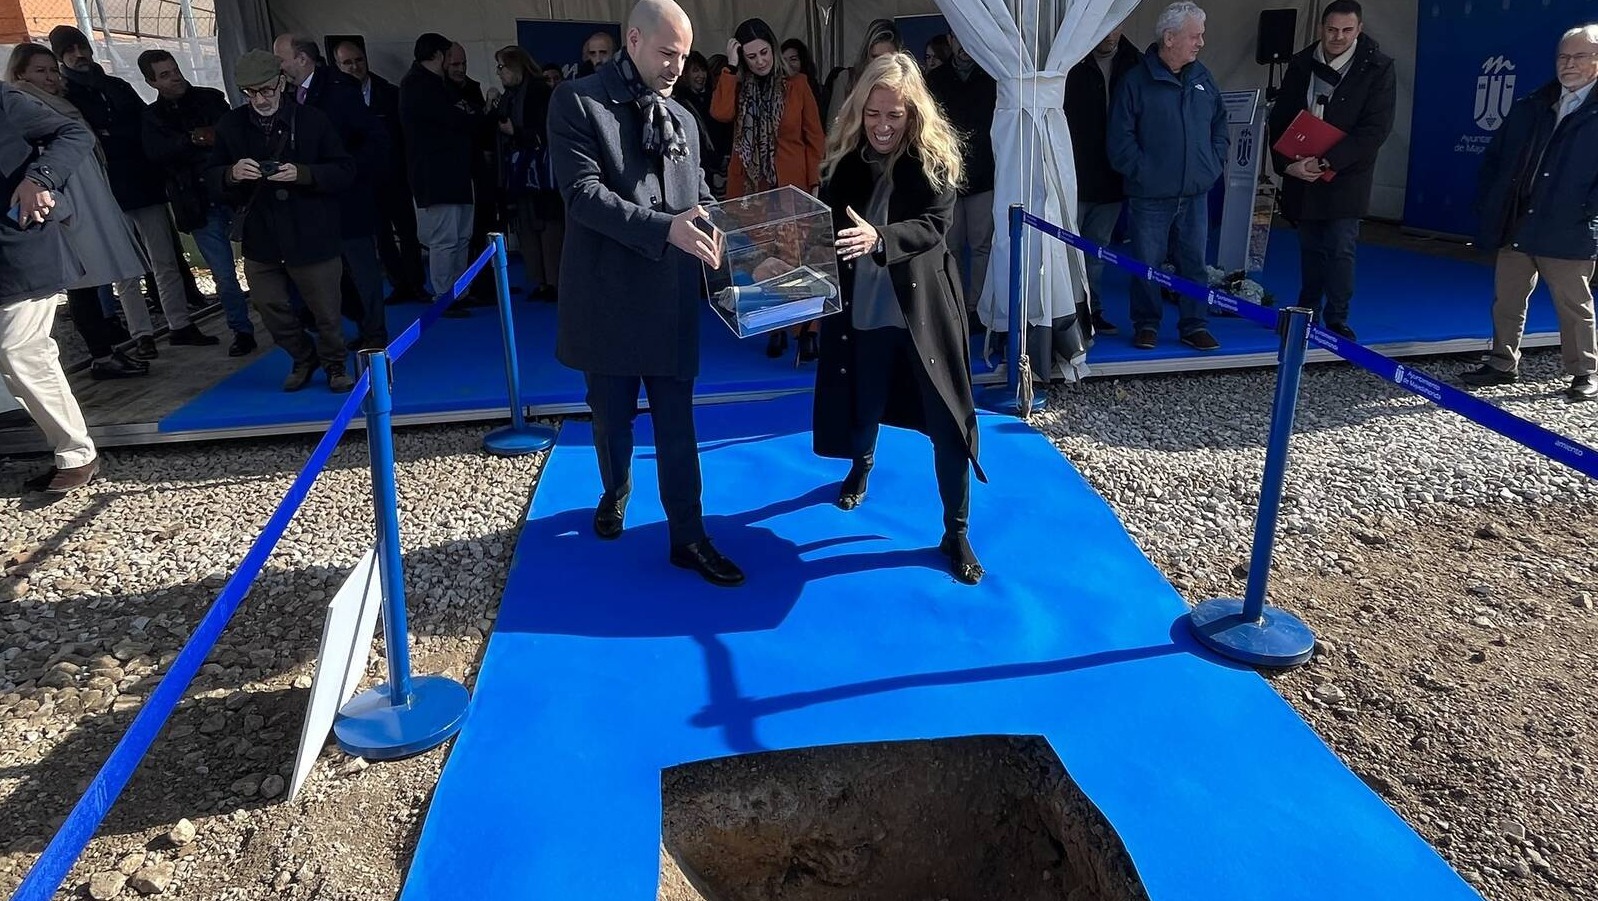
(1345, 83)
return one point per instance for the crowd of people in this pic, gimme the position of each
(331, 180)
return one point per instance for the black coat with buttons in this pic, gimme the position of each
(1362, 107)
(926, 283)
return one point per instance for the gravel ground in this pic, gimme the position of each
(1449, 574)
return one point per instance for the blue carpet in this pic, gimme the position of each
(849, 630)
(1402, 296)
(459, 363)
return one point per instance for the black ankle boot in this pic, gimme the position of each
(853, 489)
(963, 563)
(807, 347)
(777, 344)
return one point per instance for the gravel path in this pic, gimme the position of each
(1448, 572)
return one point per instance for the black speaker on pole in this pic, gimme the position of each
(1276, 32)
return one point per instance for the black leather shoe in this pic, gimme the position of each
(1485, 376)
(243, 345)
(608, 519)
(704, 559)
(963, 563)
(1582, 387)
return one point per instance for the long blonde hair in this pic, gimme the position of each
(927, 132)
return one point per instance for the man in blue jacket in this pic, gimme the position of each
(1168, 139)
(1539, 209)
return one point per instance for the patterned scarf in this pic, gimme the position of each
(760, 102)
(662, 132)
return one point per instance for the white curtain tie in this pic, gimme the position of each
(1041, 91)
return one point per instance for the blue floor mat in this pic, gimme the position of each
(607, 665)
(459, 363)
(1402, 297)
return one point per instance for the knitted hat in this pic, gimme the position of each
(257, 68)
(65, 37)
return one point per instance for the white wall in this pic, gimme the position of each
(391, 26)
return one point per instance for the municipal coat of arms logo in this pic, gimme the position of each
(1495, 92)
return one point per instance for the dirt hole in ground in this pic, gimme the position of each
(967, 819)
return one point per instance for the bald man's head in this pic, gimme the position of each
(649, 16)
(659, 39)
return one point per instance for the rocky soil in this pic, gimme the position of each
(1448, 573)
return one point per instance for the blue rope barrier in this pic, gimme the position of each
(413, 332)
(1550, 444)
(52, 867)
(46, 875)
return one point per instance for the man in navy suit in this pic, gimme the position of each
(338, 96)
(627, 159)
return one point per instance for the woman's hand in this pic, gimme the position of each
(856, 242)
(733, 50)
(505, 128)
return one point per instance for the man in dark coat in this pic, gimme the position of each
(115, 112)
(283, 166)
(487, 212)
(337, 96)
(397, 246)
(439, 128)
(1099, 192)
(1346, 80)
(179, 132)
(969, 97)
(627, 159)
(39, 149)
(1168, 137)
(1538, 208)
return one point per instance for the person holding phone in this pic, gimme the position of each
(631, 279)
(282, 167)
(898, 354)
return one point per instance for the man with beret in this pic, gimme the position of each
(282, 167)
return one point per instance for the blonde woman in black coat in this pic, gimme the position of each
(898, 353)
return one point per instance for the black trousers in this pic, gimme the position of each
(882, 356)
(1326, 256)
(99, 333)
(614, 400)
(397, 244)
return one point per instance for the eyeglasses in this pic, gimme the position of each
(1576, 58)
(265, 93)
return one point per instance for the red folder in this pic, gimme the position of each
(1308, 137)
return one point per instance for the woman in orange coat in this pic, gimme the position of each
(777, 136)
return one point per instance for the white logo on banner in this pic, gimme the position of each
(1495, 92)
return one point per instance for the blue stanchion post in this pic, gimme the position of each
(1007, 399)
(1247, 630)
(518, 438)
(403, 716)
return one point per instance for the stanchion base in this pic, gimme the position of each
(1000, 399)
(513, 442)
(1278, 640)
(371, 726)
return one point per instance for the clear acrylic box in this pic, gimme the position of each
(779, 266)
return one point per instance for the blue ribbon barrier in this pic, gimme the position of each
(46, 875)
(518, 438)
(1552, 445)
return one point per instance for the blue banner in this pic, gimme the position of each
(1472, 61)
(560, 43)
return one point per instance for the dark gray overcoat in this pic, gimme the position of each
(629, 301)
(927, 284)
